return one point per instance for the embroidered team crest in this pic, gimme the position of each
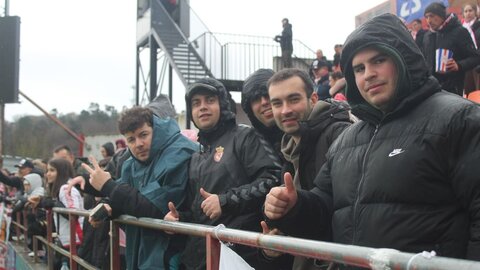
(218, 153)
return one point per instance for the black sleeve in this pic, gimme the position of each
(125, 199)
(263, 168)
(89, 189)
(472, 55)
(282, 262)
(464, 157)
(13, 181)
(49, 203)
(185, 213)
(313, 210)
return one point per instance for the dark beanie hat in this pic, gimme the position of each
(437, 9)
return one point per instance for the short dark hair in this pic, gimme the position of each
(134, 118)
(288, 73)
(62, 147)
(418, 21)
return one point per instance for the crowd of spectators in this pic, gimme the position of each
(376, 148)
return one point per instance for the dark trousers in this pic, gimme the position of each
(287, 58)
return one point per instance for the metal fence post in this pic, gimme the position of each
(73, 240)
(18, 218)
(114, 246)
(213, 253)
(50, 255)
(25, 225)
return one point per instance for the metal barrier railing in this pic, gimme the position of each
(21, 228)
(344, 254)
(74, 260)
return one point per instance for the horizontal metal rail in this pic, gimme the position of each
(19, 225)
(344, 254)
(76, 212)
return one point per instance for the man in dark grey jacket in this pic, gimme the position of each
(404, 177)
(446, 32)
(310, 125)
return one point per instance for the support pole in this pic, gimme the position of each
(153, 68)
(2, 124)
(2, 105)
(54, 119)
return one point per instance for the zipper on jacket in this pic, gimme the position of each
(357, 197)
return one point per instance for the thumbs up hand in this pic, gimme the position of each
(172, 215)
(281, 199)
(211, 204)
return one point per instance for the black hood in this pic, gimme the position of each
(217, 88)
(389, 35)
(162, 107)
(255, 86)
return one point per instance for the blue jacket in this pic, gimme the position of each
(145, 188)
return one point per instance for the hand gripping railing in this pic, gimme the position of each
(344, 254)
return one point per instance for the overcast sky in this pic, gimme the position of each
(74, 52)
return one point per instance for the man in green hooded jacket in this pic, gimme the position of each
(156, 173)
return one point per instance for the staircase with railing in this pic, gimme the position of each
(193, 51)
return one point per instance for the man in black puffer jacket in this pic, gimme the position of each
(230, 175)
(406, 176)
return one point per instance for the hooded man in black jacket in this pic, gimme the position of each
(404, 177)
(256, 104)
(230, 175)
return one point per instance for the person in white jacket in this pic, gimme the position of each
(59, 171)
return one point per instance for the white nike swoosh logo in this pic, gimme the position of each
(394, 153)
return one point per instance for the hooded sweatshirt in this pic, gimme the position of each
(36, 184)
(144, 190)
(237, 165)
(323, 125)
(254, 87)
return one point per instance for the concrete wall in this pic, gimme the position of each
(94, 143)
